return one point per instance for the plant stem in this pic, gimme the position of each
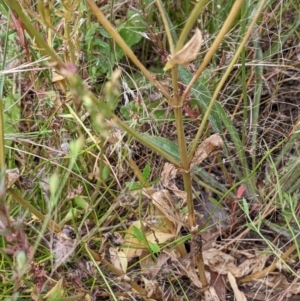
(166, 26)
(185, 165)
(189, 23)
(201, 270)
(2, 149)
(51, 225)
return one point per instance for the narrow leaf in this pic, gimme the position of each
(168, 146)
(56, 293)
(146, 173)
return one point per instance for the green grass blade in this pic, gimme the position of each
(166, 145)
(255, 107)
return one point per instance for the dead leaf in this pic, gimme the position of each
(223, 263)
(209, 147)
(210, 294)
(220, 262)
(56, 77)
(64, 245)
(240, 296)
(153, 270)
(133, 247)
(279, 283)
(152, 288)
(118, 259)
(260, 261)
(164, 202)
(11, 176)
(188, 53)
(218, 282)
(169, 175)
(146, 262)
(248, 266)
(187, 267)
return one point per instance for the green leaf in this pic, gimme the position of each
(21, 260)
(105, 172)
(133, 185)
(54, 182)
(56, 293)
(91, 32)
(72, 213)
(154, 247)
(127, 109)
(11, 115)
(168, 146)
(138, 234)
(76, 146)
(159, 114)
(81, 203)
(131, 31)
(103, 47)
(146, 173)
(245, 206)
(104, 32)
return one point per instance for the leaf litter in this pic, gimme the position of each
(163, 222)
(168, 221)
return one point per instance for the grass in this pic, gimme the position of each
(90, 118)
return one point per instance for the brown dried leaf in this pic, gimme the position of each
(219, 284)
(209, 147)
(64, 245)
(146, 262)
(279, 283)
(118, 259)
(187, 267)
(151, 271)
(164, 202)
(188, 53)
(247, 267)
(258, 262)
(153, 289)
(56, 77)
(11, 176)
(240, 296)
(223, 263)
(210, 294)
(133, 247)
(169, 175)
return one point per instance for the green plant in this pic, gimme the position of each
(88, 186)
